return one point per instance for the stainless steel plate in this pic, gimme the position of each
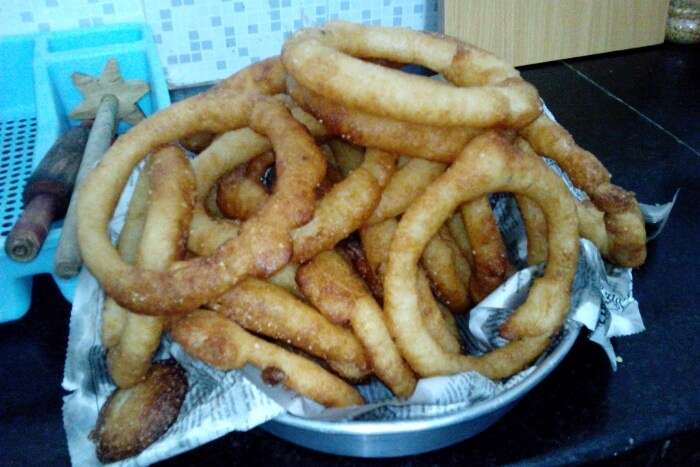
(407, 437)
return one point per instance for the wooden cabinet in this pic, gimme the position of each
(533, 31)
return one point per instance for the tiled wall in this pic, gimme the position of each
(200, 41)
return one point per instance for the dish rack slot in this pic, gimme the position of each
(18, 140)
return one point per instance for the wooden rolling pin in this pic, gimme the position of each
(46, 194)
(106, 98)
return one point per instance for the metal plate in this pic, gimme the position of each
(403, 438)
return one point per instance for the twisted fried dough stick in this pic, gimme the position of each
(163, 242)
(332, 286)
(223, 344)
(489, 92)
(269, 310)
(472, 175)
(626, 245)
(262, 246)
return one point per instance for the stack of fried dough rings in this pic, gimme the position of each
(334, 216)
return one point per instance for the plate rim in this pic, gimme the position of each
(481, 408)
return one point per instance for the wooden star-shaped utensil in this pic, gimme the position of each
(110, 81)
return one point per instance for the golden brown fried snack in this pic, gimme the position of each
(535, 229)
(488, 164)
(345, 207)
(435, 143)
(376, 243)
(271, 311)
(286, 278)
(171, 188)
(491, 264)
(241, 193)
(223, 344)
(348, 157)
(239, 197)
(228, 152)
(447, 270)
(331, 285)
(132, 419)
(591, 222)
(264, 77)
(623, 219)
(404, 186)
(459, 234)
(262, 246)
(113, 315)
(487, 91)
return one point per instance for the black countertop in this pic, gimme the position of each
(639, 112)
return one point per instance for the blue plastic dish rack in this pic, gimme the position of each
(37, 96)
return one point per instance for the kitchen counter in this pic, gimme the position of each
(639, 112)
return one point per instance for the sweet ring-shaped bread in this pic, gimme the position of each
(263, 244)
(485, 91)
(488, 164)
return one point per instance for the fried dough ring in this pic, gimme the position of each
(227, 152)
(591, 222)
(488, 252)
(488, 91)
(376, 242)
(624, 223)
(263, 244)
(332, 286)
(341, 211)
(435, 143)
(171, 188)
(271, 311)
(223, 344)
(488, 164)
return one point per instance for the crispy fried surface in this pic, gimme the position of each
(489, 91)
(269, 310)
(262, 246)
(345, 207)
(505, 169)
(132, 419)
(220, 342)
(332, 286)
(171, 188)
(623, 219)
